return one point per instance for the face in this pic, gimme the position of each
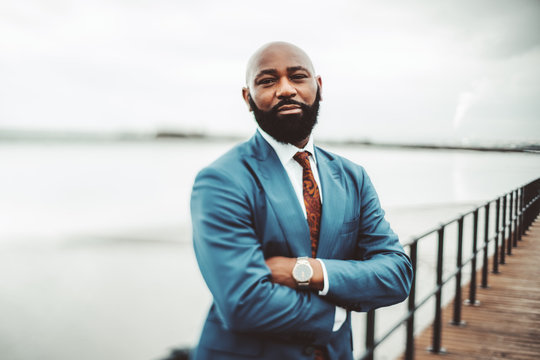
(292, 128)
(281, 83)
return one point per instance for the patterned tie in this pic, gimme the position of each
(312, 200)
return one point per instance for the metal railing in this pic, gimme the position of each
(513, 213)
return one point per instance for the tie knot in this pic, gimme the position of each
(302, 158)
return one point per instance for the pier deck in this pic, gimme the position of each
(506, 325)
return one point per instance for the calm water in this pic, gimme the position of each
(95, 252)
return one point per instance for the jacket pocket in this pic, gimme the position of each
(351, 226)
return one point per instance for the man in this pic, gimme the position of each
(289, 238)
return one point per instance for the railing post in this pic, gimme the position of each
(533, 204)
(456, 320)
(472, 288)
(503, 229)
(437, 324)
(486, 242)
(516, 217)
(521, 205)
(370, 334)
(522, 217)
(510, 213)
(528, 211)
(409, 350)
(497, 235)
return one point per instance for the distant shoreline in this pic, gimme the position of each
(84, 137)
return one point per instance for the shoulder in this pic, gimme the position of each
(235, 168)
(347, 166)
(353, 177)
(229, 164)
(233, 157)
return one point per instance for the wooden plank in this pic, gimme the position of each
(506, 325)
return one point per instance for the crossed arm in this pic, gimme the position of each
(281, 268)
(232, 263)
(247, 289)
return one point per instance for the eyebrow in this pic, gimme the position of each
(266, 72)
(298, 68)
(274, 71)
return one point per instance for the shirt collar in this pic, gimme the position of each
(285, 152)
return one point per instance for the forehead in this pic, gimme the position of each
(278, 57)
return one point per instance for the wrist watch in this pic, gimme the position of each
(302, 272)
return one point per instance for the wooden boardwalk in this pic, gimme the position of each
(506, 325)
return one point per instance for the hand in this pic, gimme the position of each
(282, 267)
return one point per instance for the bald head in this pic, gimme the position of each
(279, 51)
(283, 92)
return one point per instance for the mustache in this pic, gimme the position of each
(287, 102)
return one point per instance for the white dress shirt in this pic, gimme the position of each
(285, 153)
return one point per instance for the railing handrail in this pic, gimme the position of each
(516, 216)
(415, 238)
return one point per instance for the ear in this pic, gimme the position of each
(319, 82)
(245, 95)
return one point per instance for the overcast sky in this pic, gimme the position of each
(392, 70)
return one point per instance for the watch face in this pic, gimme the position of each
(302, 272)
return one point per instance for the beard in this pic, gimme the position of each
(291, 128)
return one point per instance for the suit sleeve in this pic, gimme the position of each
(380, 273)
(231, 261)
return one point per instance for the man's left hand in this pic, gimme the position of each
(282, 268)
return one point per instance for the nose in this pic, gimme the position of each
(285, 89)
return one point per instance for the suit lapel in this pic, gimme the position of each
(280, 193)
(333, 209)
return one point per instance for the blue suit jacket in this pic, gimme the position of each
(244, 210)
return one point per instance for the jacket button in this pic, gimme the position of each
(309, 350)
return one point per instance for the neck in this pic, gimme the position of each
(302, 143)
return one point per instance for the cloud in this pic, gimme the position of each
(502, 104)
(465, 101)
(419, 69)
(489, 28)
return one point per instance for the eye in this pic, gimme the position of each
(266, 81)
(298, 76)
